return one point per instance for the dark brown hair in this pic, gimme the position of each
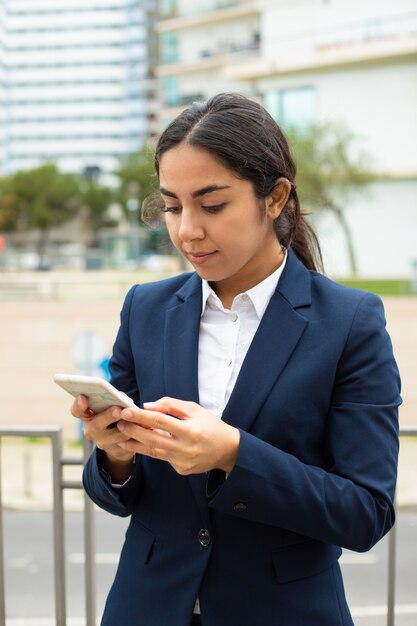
(242, 135)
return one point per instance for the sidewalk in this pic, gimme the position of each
(26, 474)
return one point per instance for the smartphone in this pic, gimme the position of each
(100, 393)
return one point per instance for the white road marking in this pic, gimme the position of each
(358, 558)
(78, 558)
(380, 610)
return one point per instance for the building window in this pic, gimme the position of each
(171, 91)
(168, 8)
(292, 107)
(169, 47)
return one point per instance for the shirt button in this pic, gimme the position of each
(229, 362)
(204, 537)
(239, 507)
(245, 297)
(234, 317)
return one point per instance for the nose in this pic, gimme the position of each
(190, 227)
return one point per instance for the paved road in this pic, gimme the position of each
(29, 576)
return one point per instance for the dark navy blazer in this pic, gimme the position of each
(316, 402)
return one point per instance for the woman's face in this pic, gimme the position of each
(216, 222)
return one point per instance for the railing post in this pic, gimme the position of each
(2, 580)
(90, 550)
(59, 534)
(392, 549)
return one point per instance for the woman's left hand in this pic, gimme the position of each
(193, 441)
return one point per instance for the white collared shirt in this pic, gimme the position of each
(225, 337)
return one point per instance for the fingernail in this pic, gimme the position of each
(149, 405)
(127, 414)
(121, 425)
(116, 412)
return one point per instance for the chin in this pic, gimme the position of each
(210, 276)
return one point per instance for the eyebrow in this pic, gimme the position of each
(196, 194)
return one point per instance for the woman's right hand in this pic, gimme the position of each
(118, 462)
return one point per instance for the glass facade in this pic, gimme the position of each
(73, 80)
(292, 107)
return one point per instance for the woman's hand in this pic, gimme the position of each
(118, 461)
(190, 438)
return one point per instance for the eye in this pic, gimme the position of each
(171, 209)
(214, 208)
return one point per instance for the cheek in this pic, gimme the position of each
(172, 229)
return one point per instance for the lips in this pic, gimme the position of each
(200, 257)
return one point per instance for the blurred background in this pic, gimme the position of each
(86, 87)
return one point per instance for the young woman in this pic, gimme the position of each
(267, 437)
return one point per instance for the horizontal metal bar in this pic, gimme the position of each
(32, 431)
(71, 484)
(72, 461)
(410, 431)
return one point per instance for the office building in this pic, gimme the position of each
(310, 61)
(76, 82)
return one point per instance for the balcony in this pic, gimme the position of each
(218, 12)
(214, 57)
(362, 42)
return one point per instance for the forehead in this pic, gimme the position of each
(188, 165)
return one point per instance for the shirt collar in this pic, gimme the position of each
(259, 295)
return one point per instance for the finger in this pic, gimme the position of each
(108, 418)
(80, 408)
(153, 420)
(150, 438)
(179, 408)
(132, 445)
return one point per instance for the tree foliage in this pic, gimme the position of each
(38, 199)
(42, 198)
(96, 200)
(8, 207)
(136, 175)
(329, 171)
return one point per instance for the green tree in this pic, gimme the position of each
(136, 175)
(8, 209)
(329, 171)
(96, 200)
(38, 199)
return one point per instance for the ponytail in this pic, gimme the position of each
(294, 231)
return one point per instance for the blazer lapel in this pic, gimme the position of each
(182, 325)
(276, 338)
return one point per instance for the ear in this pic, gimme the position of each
(278, 198)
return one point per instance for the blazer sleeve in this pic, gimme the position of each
(348, 500)
(116, 500)
(121, 500)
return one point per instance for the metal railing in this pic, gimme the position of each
(392, 550)
(59, 485)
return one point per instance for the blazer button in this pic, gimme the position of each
(204, 537)
(239, 507)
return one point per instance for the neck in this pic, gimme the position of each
(227, 290)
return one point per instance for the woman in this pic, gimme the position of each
(267, 436)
